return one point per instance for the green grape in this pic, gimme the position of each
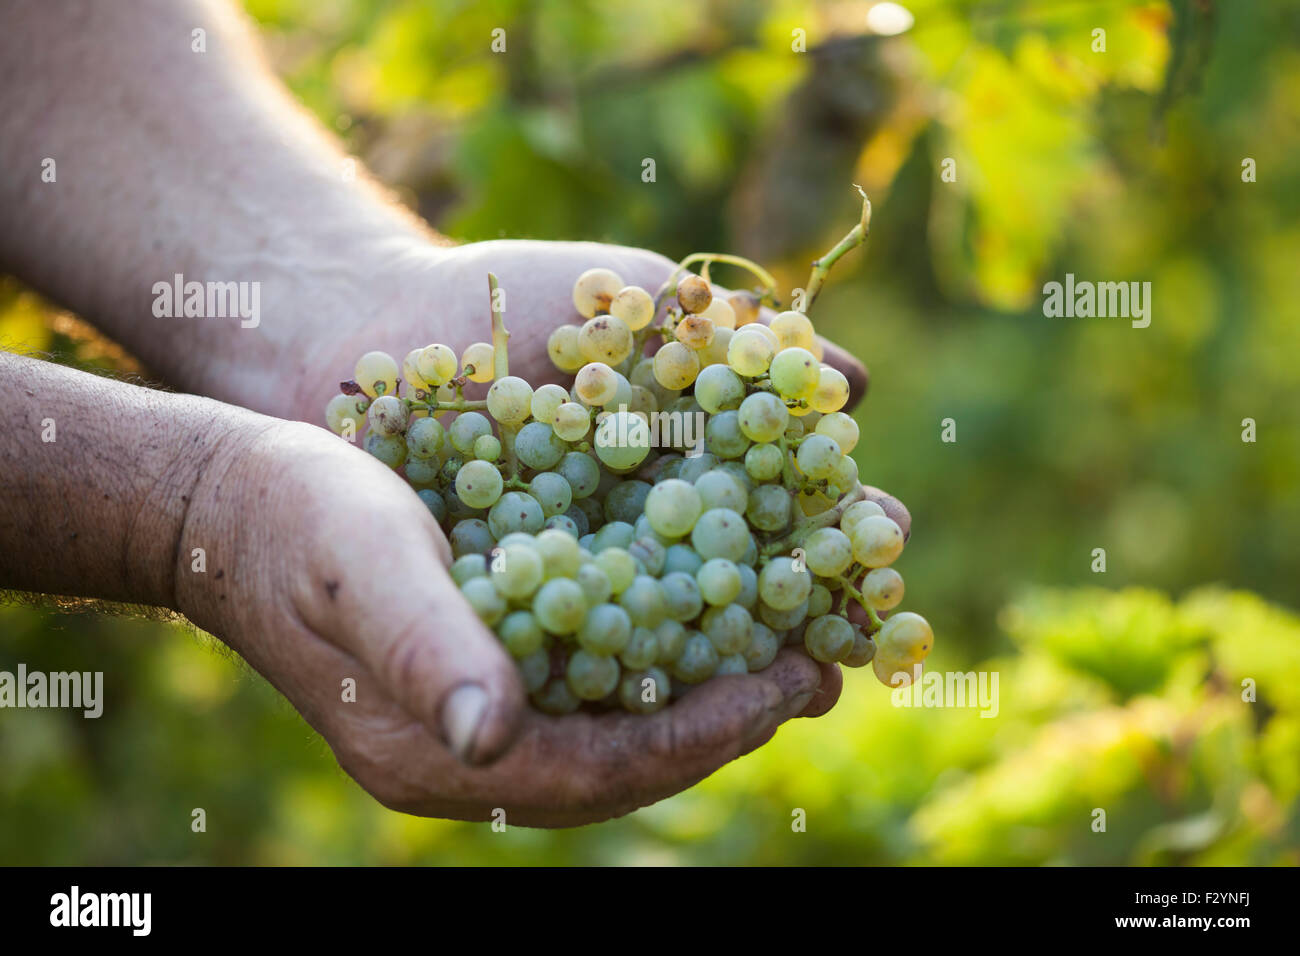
(906, 637)
(535, 670)
(694, 294)
(750, 557)
(537, 446)
(763, 646)
(728, 628)
(644, 691)
(644, 601)
(619, 567)
(748, 596)
(829, 638)
(718, 489)
(634, 306)
(606, 629)
(486, 601)
(877, 541)
(572, 422)
(828, 552)
(487, 448)
(437, 365)
(795, 429)
(782, 587)
(724, 436)
(411, 371)
(718, 388)
(676, 365)
(434, 502)
(622, 441)
(390, 449)
(793, 330)
(376, 373)
(516, 571)
(883, 589)
(510, 400)
(467, 428)
(749, 353)
(731, 664)
(682, 598)
(763, 462)
(697, 661)
(468, 566)
(516, 537)
(649, 553)
(596, 383)
(643, 400)
(581, 471)
(721, 533)
(521, 634)
(562, 347)
(864, 649)
(715, 353)
(578, 518)
(476, 362)
(642, 649)
(421, 474)
(552, 493)
(478, 484)
(722, 314)
(605, 338)
(425, 438)
(782, 620)
(769, 508)
(556, 698)
(615, 534)
(845, 478)
(471, 536)
(560, 606)
(671, 634)
(681, 557)
(763, 417)
(819, 601)
(559, 552)
(450, 467)
(626, 501)
(856, 512)
(594, 583)
(594, 291)
(832, 391)
(818, 456)
(719, 581)
(388, 415)
(457, 510)
(643, 374)
(840, 427)
(736, 469)
(515, 511)
(546, 400)
(693, 468)
(672, 507)
(343, 409)
(795, 373)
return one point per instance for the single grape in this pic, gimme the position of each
(390, 449)
(650, 553)
(763, 417)
(615, 534)
(622, 441)
(818, 456)
(719, 489)
(435, 503)
(877, 541)
(828, 552)
(560, 606)
(591, 676)
(594, 291)
(857, 511)
(731, 664)
(769, 508)
(676, 365)
(728, 628)
(515, 511)
(579, 518)
(819, 601)
(694, 294)
(376, 373)
(484, 598)
(832, 392)
(466, 429)
(596, 383)
(748, 596)
(721, 313)
(487, 448)
(763, 462)
(478, 484)
(619, 567)
(345, 413)
(693, 468)
(829, 638)
(534, 670)
(845, 478)
(425, 438)
(594, 583)
(892, 671)
(572, 422)
(606, 629)
(562, 347)
(697, 661)
(521, 634)
(421, 473)
(682, 598)
(781, 586)
(559, 551)
(436, 365)
(552, 493)
(476, 362)
(580, 471)
(718, 388)
(545, 401)
(783, 620)
(694, 331)
(793, 330)
(471, 536)
(795, 373)
(883, 588)
(671, 635)
(763, 646)
(510, 400)
(906, 637)
(721, 533)
(605, 339)
(715, 353)
(841, 428)
(626, 501)
(388, 416)
(725, 437)
(672, 507)
(719, 581)
(681, 557)
(864, 649)
(537, 446)
(411, 371)
(642, 649)
(634, 306)
(644, 601)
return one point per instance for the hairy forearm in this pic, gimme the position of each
(171, 161)
(96, 478)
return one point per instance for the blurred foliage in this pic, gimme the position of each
(1073, 434)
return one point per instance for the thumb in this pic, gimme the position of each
(402, 616)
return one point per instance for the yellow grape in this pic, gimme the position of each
(676, 365)
(436, 365)
(795, 373)
(694, 294)
(605, 339)
(479, 356)
(794, 330)
(634, 305)
(722, 314)
(411, 370)
(840, 427)
(749, 353)
(715, 353)
(572, 421)
(376, 373)
(595, 290)
(695, 331)
(596, 383)
(343, 409)
(563, 349)
(832, 392)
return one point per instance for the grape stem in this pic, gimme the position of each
(500, 336)
(813, 523)
(876, 623)
(854, 238)
(763, 276)
(460, 405)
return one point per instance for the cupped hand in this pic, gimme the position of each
(329, 576)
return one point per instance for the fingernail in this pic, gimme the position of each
(462, 717)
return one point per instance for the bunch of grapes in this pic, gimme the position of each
(621, 555)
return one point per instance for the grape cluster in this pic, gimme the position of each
(622, 574)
